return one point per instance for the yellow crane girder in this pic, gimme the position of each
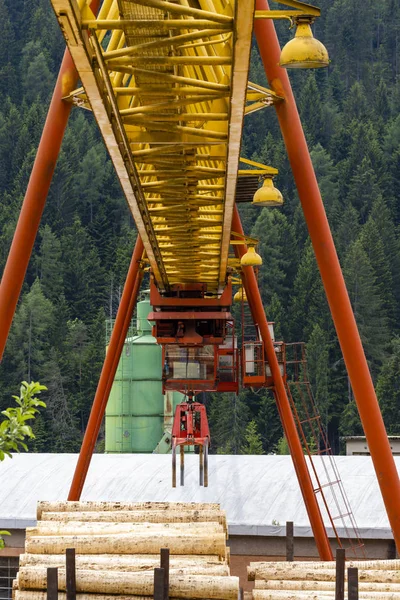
(168, 85)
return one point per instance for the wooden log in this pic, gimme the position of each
(44, 506)
(282, 572)
(287, 584)
(110, 562)
(292, 595)
(39, 595)
(80, 528)
(126, 543)
(138, 516)
(319, 595)
(111, 582)
(386, 565)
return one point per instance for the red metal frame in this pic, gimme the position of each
(174, 299)
(117, 340)
(253, 364)
(329, 266)
(225, 376)
(36, 193)
(289, 426)
(190, 428)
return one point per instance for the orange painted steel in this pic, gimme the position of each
(288, 423)
(117, 340)
(332, 277)
(36, 194)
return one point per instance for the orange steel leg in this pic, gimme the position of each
(118, 336)
(332, 277)
(288, 423)
(36, 194)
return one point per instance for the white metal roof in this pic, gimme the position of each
(259, 493)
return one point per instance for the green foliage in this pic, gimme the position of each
(253, 443)
(282, 446)
(14, 429)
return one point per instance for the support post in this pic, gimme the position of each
(52, 583)
(340, 567)
(70, 574)
(164, 564)
(289, 541)
(36, 194)
(285, 411)
(352, 583)
(120, 329)
(329, 266)
(159, 584)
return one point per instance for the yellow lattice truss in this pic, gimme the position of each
(168, 85)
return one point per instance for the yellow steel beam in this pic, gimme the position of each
(242, 48)
(167, 83)
(151, 24)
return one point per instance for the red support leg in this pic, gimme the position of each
(329, 266)
(118, 336)
(288, 423)
(36, 194)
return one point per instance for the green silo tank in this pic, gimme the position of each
(135, 410)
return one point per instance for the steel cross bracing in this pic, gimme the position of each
(168, 86)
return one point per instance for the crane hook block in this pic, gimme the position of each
(190, 428)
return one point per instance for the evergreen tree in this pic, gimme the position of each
(28, 345)
(318, 370)
(50, 265)
(367, 305)
(253, 444)
(388, 390)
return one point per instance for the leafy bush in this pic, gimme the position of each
(14, 430)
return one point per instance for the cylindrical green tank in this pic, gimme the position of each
(135, 410)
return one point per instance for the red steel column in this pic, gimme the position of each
(332, 277)
(118, 336)
(36, 194)
(289, 426)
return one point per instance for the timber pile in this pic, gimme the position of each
(117, 547)
(378, 580)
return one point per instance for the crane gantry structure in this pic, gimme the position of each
(167, 82)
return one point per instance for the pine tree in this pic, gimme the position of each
(253, 443)
(228, 421)
(318, 371)
(50, 265)
(374, 248)
(275, 245)
(311, 110)
(84, 278)
(308, 306)
(28, 346)
(388, 389)
(367, 305)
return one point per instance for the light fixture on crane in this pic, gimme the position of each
(251, 258)
(304, 51)
(240, 295)
(268, 194)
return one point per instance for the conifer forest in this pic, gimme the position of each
(351, 116)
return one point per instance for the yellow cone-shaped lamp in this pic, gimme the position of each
(304, 51)
(268, 195)
(240, 295)
(251, 258)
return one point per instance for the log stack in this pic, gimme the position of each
(378, 580)
(117, 547)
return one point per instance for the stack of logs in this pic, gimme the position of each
(117, 547)
(316, 580)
